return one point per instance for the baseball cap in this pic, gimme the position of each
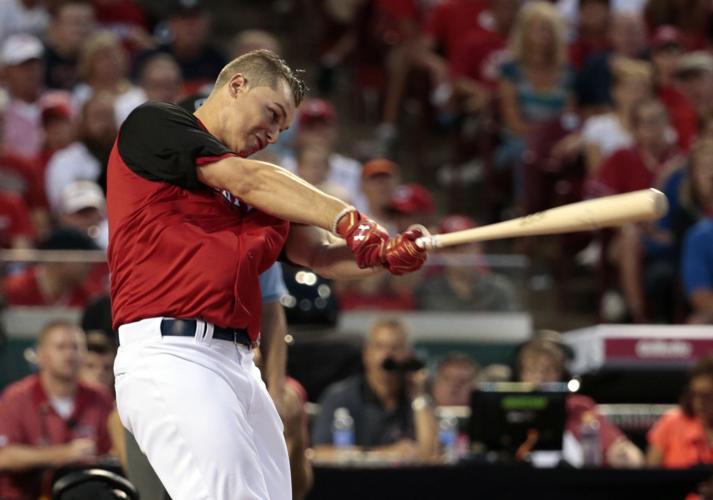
(411, 199)
(80, 195)
(665, 36)
(694, 63)
(314, 112)
(456, 222)
(379, 166)
(20, 48)
(54, 106)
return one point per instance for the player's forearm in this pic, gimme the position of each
(336, 261)
(20, 457)
(273, 190)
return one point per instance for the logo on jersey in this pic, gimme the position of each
(235, 201)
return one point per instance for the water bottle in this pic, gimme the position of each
(448, 437)
(342, 429)
(590, 440)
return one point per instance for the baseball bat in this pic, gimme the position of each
(607, 211)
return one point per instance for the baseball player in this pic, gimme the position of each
(192, 224)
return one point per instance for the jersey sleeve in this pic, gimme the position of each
(162, 142)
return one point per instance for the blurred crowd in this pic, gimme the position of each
(446, 113)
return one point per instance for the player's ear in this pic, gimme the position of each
(237, 84)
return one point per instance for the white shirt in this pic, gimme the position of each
(123, 103)
(344, 172)
(63, 406)
(73, 163)
(606, 132)
(16, 18)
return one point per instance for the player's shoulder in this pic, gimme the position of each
(151, 113)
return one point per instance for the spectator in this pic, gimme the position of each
(679, 439)
(16, 229)
(103, 67)
(391, 411)
(455, 379)
(606, 133)
(647, 164)
(465, 287)
(697, 270)
(379, 178)
(21, 59)
(543, 360)
(475, 67)
(411, 204)
(627, 38)
(313, 166)
(160, 79)
(83, 207)
(71, 23)
(98, 363)
(86, 158)
(536, 86)
(52, 418)
(53, 283)
(317, 126)
(189, 27)
(23, 16)
(687, 16)
(694, 77)
(666, 51)
(249, 40)
(592, 31)
(126, 19)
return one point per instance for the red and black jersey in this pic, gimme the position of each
(178, 248)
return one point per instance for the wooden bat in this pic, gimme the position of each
(607, 211)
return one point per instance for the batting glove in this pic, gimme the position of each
(366, 239)
(403, 255)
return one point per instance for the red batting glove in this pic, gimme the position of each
(366, 239)
(403, 255)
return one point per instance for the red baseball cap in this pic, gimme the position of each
(314, 112)
(379, 166)
(55, 106)
(456, 222)
(411, 199)
(665, 36)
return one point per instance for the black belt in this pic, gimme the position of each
(187, 328)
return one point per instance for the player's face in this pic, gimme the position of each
(261, 114)
(60, 354)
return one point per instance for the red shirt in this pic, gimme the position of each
(625, 171)
(28, 418)
(23, 289)
(450, 21)
(480, 56)
(25, 176)
(176, 247)
(683, 116)
(14, 219)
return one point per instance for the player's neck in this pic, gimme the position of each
(208, 114)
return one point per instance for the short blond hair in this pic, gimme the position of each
(99, 41)
(262, 68)
(625, 68)
(529, 13)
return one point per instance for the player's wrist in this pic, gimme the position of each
(345, 220)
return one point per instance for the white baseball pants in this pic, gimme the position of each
(202, 415)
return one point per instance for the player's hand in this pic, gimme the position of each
(366, 239)
(403, 255)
